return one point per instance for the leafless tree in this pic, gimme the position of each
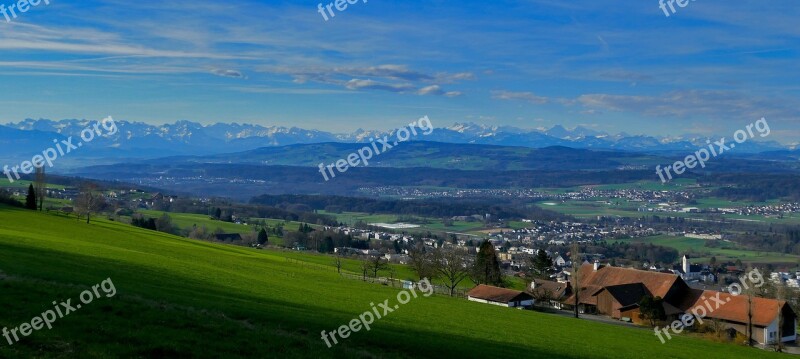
(542, 295)
(392, 274)
(422, 261)
(717, 327)
(377, 264)
(365, 267)
(780, 294)
(576, 266)
(337, 261)
(749, 291)
(40, 186)
(452, 265)
(89, 200)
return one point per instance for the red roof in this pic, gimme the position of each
(496, 294)
(734, 309)
(591, 281)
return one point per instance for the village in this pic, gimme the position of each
(607, 291)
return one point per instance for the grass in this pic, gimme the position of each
(728, 251)
(183, 298)
(654, 185)
(24, 184)
(402, 272)
(188, 220)
(433, 225)
(589, 209)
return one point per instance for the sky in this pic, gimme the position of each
(709, 68)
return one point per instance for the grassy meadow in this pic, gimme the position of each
(181, 298)
(727, 252)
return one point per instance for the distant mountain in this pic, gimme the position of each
(294, 169)
(420, 154)
(141, 140)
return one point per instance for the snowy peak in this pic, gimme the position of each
(186, 137)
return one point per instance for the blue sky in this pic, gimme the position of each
(711, 68)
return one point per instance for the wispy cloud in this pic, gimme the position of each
(437, 90)
(524, 96)
(713, 104)
(391, 78)
(356, 84)
(228, 73)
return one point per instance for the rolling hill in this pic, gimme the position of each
(183, 298)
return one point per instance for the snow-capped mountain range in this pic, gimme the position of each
(137, 139)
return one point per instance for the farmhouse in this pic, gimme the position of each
(500, 296)
(616, 293)
(767, 315)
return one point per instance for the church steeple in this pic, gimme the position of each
(685, 264)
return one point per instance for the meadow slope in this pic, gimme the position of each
(183, 298)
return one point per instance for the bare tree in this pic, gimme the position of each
(40, 186)
(337, 261)
(542, 295)
(717, 327)
(576, 266)
(88, 200)
(780, 294)
(749, 291)
(365, 267)
(392, 274)
(452, 265)
(377, 264)
(422, 261)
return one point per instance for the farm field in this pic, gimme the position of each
(435, 224)
(174, 294)
(654, 185)
(729, 251)
(622, 208)
(587, 209)
(25, 184)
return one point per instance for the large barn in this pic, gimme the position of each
(616, 292)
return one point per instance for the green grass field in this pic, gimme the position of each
(181, 298)
(434, 224)
(728, 251)
(188, 220)
(589, 209)
(4, 183)
(655, 185)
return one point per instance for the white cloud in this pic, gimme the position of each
(524, 96)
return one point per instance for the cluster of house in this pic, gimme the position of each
(389, 257)
(762, 210)
(585, 194)
(561, 233)
(616, 292)
(60, 193)
(791, 280)
(368, 234)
